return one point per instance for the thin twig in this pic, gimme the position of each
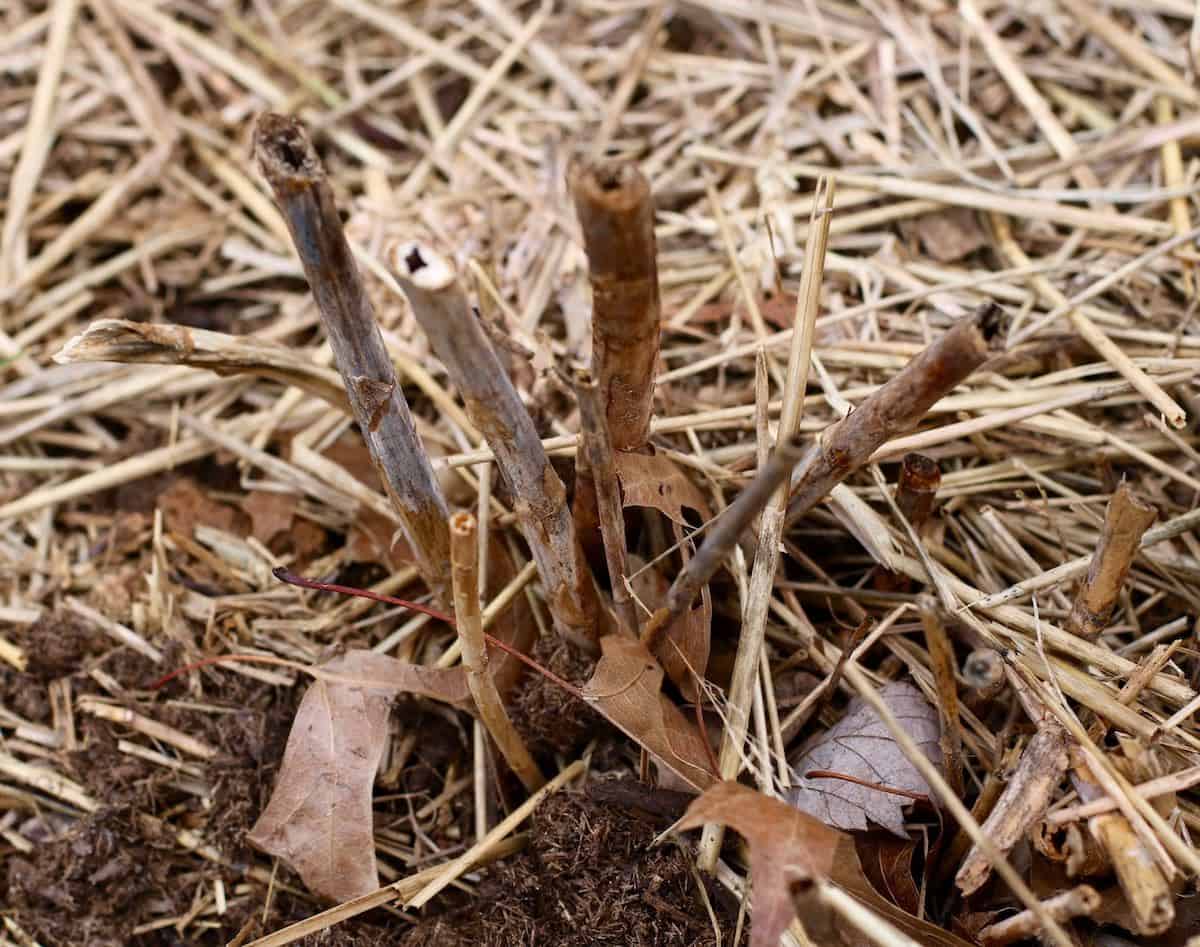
(842, 448)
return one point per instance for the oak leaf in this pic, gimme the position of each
(626, 688)
(790, 847)
(319, 817)
(861, 746)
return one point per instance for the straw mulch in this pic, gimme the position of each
(1037, 156)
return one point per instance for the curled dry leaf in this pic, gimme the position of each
(657, 482)
(861, 746)
(626, 688)
(319, 817)
(787, 847)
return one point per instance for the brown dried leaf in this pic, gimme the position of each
(319, 818)
(373, 537)
(950, 235)
(270, 513)
(657, 482)
(860, 745)
(626, 688)
(684, 653)
(185, 506)
(788, 846)
(887, 861)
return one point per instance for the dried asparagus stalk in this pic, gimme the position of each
(895, 408)
(293, 170)
(540, 499)
(464, 557)
(616, 214)
(1125, 520)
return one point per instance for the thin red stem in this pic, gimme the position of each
(830, 774)
(292, 579)
(218, 659)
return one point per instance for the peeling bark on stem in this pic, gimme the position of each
(616, 214)
(1125, 520)
(294, 172)
(539, 497)
(896, 408)
(1147, 891)
(1028, 794)
(1081, 901)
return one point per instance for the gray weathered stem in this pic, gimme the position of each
(843, 447)
(540, 499)
(302, 191)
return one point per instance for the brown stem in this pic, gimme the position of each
(1077, 902)
(1125, 520)
(464, 560)
(597, 448)
(916, 488)
(302, 191)
(616, 214)
(540, 499)
(1028, 794)
(941, 663)
(1146, 890)
(897, 407)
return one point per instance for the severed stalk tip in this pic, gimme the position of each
(417, 264)
(615, 185)
(284, 150)
(920, 470)
(993, 322)
(462, 524)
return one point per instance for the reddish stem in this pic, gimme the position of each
(830, 774)
(218, 659)
(292, 579)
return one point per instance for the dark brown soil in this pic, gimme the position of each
(591, 876)
(551, 720)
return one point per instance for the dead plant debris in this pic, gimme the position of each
(813, 387)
